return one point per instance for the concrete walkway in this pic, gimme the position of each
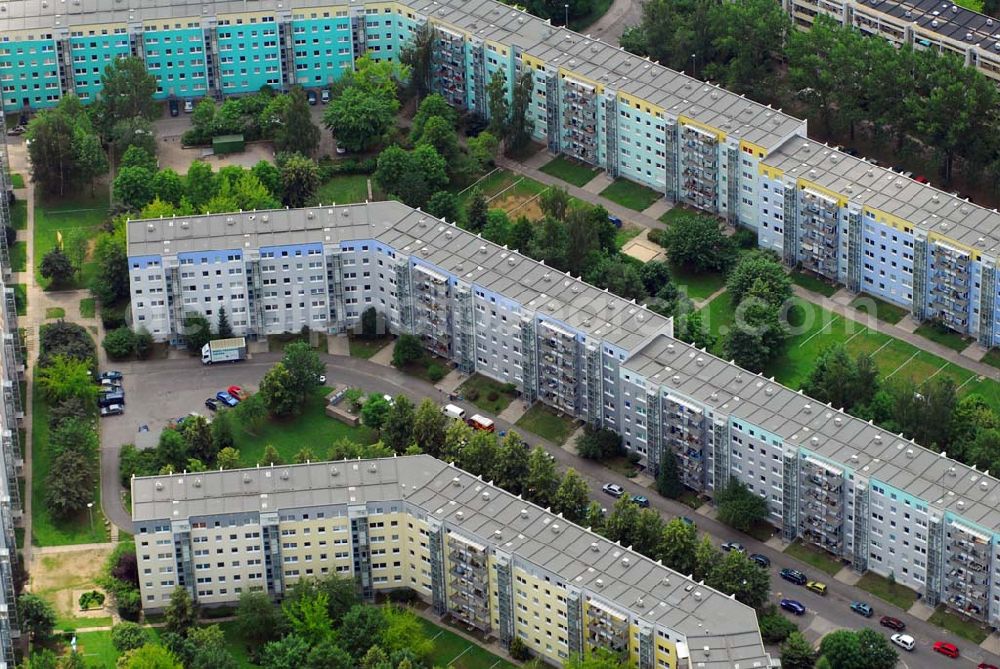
(530, 168)
(838, 306)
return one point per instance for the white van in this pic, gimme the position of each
(452, 411)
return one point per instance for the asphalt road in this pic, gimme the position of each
(160, 390)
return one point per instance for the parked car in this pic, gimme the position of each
(615, 221)
(613, 489)
(862, 608)
(212, 404)
(947, 649)
(238, 392)
(642, 501)
(107, 399)
(795, 607)
(111, 375)
(325, 96)
(816, 586)
(793, 576)
(311, 97)
(733, 546)
(892, 623)
(188, 106)
(762, 560)
(175, 107)
(986, 665)
(686, 520)
(112, 410)
(226, 398)
(904, 641)
(340, 149)
(920, 178)
(16, 130)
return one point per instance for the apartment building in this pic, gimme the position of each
(484, 557)
(11, 415)
(863, 494)
(697, 144)
(922, 24)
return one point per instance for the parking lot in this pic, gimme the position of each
(158, 391)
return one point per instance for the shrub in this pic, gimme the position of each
(658, 237)
(493, 396)
(745, 238)
(119, 344)
(113, 317)
(472, 394)
(435, 372)
(598, 444)
(94, 599)
(519, 650)
(128, 636)
(774, 627)
(143, 344)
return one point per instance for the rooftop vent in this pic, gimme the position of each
(599, 583)
(486, 494)
(284, 474)
(459, 515)
(807, 408)
(159, 485)
(594, 546)
(524, 513)
(910, 453)
(334, 471)
(456, 482)
(555, 528)
(625, 561)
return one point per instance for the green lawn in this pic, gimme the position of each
(992, 357)
(365, 348)
(99, 653)
(45, 529)
(894, 593)
(623, 235)
(55, 312)
(570, 171)
(67, 217)
(499, 187)
(814, 557)
(489, 185)
(453, 651)
(483, 388)
(343, 189)
(880, 309)
(679, 211)
(546, 423)
(312, 428)
(19, 215)
(237, 645)
(17, 180)
(630, 194)
(698, 286)
(21, 298)
(814, 283)
(88, 308)
(814, 329)
(956, 624)
(940, 334)
(19, 257)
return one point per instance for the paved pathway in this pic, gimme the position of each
(530, 168)
(39, 301)
(837, 306)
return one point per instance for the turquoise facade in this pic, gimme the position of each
(92, 51)
(175, 55)
(249, 55)
(29, 72)
(323, 50)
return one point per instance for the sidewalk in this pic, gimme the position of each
(922, 343)
(530, 168)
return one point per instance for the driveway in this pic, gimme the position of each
(160, 390)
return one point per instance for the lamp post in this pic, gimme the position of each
(90, 510)
(694, 65)
(566, 15)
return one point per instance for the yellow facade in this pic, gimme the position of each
(834, 195)
(704, 127)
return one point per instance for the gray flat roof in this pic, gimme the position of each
(473, 259)
(801, 421)
(922, 205)
(944, 18)
(580, 557)
(486, 19)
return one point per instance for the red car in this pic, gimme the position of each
(983, 665)
(237, 392)
(945, 648)
(920, 178)
(892, 623)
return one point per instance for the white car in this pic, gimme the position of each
(613, 489)
(904, 641)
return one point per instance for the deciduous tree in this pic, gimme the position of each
(56, 267)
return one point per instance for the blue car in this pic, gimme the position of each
(795, 607)
(641, 501)
(226, 398)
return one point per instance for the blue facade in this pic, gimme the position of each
(249, 54)
(323, 50)
(92, 50)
